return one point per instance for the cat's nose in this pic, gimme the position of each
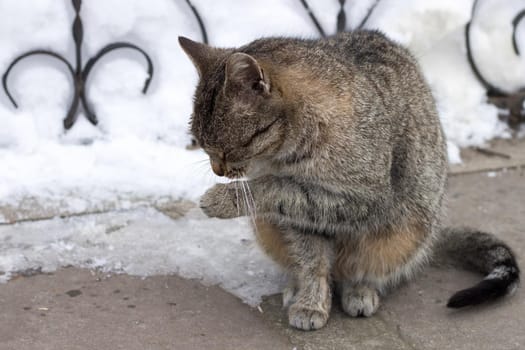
(217, 168)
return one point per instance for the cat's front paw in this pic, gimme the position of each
(220, 202)
(306, 318)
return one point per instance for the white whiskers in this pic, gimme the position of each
(249, 201)
(252, 200)
(237, 198)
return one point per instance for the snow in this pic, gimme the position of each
(144, 242)
(138, 150)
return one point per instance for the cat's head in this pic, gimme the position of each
(238, 114)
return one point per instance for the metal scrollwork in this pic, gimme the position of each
(78, 73)
(513, 102)
(341, 17)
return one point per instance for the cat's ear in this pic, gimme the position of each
(244, 72)
(201, 55)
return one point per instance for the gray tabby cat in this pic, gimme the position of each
(346, 161)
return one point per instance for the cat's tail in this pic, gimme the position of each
(484, 253)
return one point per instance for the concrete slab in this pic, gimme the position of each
(498, 154)
(42, 208)
(77, 309)
(341, 332)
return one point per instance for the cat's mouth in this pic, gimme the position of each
(235, 173)
(223, 169)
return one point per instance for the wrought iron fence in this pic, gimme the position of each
(512, 101)
(79, 73)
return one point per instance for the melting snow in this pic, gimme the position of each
(145, 242)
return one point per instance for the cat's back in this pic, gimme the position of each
(358, 49)
(367, 47)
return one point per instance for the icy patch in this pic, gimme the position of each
(144, 242)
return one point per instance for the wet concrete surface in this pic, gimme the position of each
(80, 309)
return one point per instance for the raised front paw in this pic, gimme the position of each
(220, 201)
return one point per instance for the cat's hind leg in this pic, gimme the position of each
(358, 299)
(372, 263)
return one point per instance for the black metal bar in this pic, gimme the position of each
(199, 20)
(25, 55)
(78, 73)
(341, 17)
(368, 14)
(78, 35)
(92, 62)
(115, 46)
(491, 89)
(515, 23)
(511, 101)
(313, 18)
(72, 116)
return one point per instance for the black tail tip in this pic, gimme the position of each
(464, 298)
(486, 290)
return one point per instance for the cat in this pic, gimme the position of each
(346, 163)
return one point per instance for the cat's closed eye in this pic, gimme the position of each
(260, 132)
